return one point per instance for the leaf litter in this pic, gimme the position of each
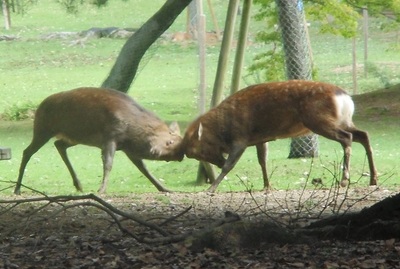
(83, 237)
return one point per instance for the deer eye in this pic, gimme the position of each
(170, 142)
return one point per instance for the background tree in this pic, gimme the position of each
(298, 63)
(333, 17)
(126, 65)
(6, 14)
(288, 44)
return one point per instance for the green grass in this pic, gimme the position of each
(32, 69)
(47, 172)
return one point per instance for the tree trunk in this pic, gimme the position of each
(220, 79)
(298, 63)
(126, 65)
(6, 13)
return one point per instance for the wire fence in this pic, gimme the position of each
(296, 46)
(360, 64)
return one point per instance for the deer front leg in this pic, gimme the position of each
(230, 162)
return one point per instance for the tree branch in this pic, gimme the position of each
(126, 65)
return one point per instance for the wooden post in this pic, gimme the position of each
(354, 53)
(309, 43)
(241, 46)
(224, 53)
(5, 153)
(201, 41)
(365, 33)
(214, 19)
(6, 14)
(205, 170)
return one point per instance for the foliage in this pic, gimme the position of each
(376, 71)
(388, 11)
(17, 112)
(332, 17)
(389, 8)
(22, 6)
(72, 6)
(271, 62)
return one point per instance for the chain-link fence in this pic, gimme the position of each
(367, 62)
(298, 62)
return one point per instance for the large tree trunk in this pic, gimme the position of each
(126, 65)
(298, 63)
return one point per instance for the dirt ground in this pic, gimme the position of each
(76, 234)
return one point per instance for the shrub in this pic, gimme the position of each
(20, 111)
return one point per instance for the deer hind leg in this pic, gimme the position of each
(344, 137)
(262, 150)
(107, 155)
(346, 145)
(37, 142)
(362, 138)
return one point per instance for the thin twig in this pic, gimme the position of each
(176, 216)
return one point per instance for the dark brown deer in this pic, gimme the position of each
(107, 119)
(270, 111)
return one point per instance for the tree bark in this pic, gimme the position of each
(126, 65)
(298, 63)
(6, 13)
(231, 15)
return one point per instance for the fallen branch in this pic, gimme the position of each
(112, 211)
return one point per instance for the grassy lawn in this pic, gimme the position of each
(31, 69)
(47, 172)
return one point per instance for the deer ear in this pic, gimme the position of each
(174, 127)
(200, 131)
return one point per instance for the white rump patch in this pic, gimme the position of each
(345, 109)
(200, 131)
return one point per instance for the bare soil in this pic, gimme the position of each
(51, 235)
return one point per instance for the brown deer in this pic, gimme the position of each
(270, 111)
(107, 119)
